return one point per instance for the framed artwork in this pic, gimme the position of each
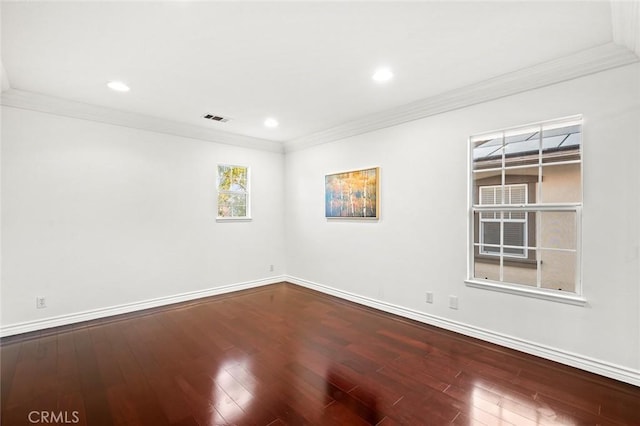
(233, 192)
(352, 195)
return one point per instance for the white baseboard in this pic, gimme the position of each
(596, 366)
(592, 365)
(42, 324)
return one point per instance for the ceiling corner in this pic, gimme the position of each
(625, 23)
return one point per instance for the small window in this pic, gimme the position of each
(233, 192)
(526, 203)
(512, 224)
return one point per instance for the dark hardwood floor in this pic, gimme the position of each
(282, 354)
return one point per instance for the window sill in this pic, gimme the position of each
(552, 295)
(233, 219)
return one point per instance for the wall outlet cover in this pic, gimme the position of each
(429, 297)
(453, 302)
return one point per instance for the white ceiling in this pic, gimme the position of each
(308, 64)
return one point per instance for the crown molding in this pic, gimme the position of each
(58, 106)
(625, 24)
(586, 62)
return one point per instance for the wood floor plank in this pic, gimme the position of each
(285, 355)
(8, 364)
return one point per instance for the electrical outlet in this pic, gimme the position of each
(41, 303)
(429, 297)
(453, 302)
(271, 268)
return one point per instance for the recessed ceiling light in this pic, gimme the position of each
(382, 75)
(271, 122)
(118, 86)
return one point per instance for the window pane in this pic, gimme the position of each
(232, 178)
(232, 205)
(239, 179)
(487, 154)
(521, 272)
(562, 183)
(558, 270)
(523, 149)
(224, 177)
(526, 179)
(514, 235)
(517, 215)
(487, 195)
(510, 194)
(489, 215)
(484, 179)
(517, 194)
(561, 144)
(490, 235)
(573, 140)
(487, 271)
(558, 230)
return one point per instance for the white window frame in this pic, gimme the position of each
(576, 297)
(246, 193)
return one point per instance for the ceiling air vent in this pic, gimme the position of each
(214, 117)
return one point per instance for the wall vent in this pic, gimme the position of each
(214, 117)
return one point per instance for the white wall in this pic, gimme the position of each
(420, 242)
(96, 216)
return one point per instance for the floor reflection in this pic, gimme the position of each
(231, 398)
(492, 406)
(365, 406)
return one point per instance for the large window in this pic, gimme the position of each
(526, 199)
(233, 192)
